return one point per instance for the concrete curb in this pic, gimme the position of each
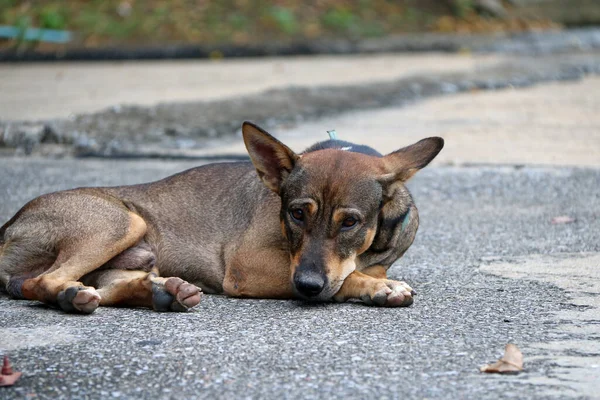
(134, 132)
(511, 43)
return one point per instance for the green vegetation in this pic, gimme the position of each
(123, 22)
(462, 8)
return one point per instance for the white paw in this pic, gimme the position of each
(389, 293)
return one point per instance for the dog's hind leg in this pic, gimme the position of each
(60, 285)
(126, 288)
(82, 245)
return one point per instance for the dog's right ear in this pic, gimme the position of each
(272, 159)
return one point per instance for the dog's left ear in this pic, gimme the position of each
(272, 159)
(402, 164)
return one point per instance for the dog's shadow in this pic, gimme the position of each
(311, 305)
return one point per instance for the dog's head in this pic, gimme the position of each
(330, 202)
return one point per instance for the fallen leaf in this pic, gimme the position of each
(7, 376)
(512, 362)
(9, 380)
(563, 219)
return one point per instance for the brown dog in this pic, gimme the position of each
(325, 224)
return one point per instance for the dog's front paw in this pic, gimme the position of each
(389, 294)
(174, 294)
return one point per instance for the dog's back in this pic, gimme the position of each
(343, 145)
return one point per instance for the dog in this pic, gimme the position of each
(325, 224)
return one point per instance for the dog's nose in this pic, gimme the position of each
(309, 284)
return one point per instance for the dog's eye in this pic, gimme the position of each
(297, 214)
(349, 223)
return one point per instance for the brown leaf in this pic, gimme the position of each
(7, 376)
(512, 362)
(563, 219)
(9, 380)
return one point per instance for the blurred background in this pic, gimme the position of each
(98, 24)
(176, 78)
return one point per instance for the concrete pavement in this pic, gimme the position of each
(63, 90)
(575, 348)
(551, 124)
(461, 319)
(299, 95)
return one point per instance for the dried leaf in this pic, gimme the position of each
(512, 362)
(7, 376)
(9, 380)
(563, 219)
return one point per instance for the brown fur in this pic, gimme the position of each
(223, 231)
(122, 288)
(376, 271)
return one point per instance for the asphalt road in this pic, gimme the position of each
(230, 348)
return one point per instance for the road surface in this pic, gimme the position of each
(491, 218)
